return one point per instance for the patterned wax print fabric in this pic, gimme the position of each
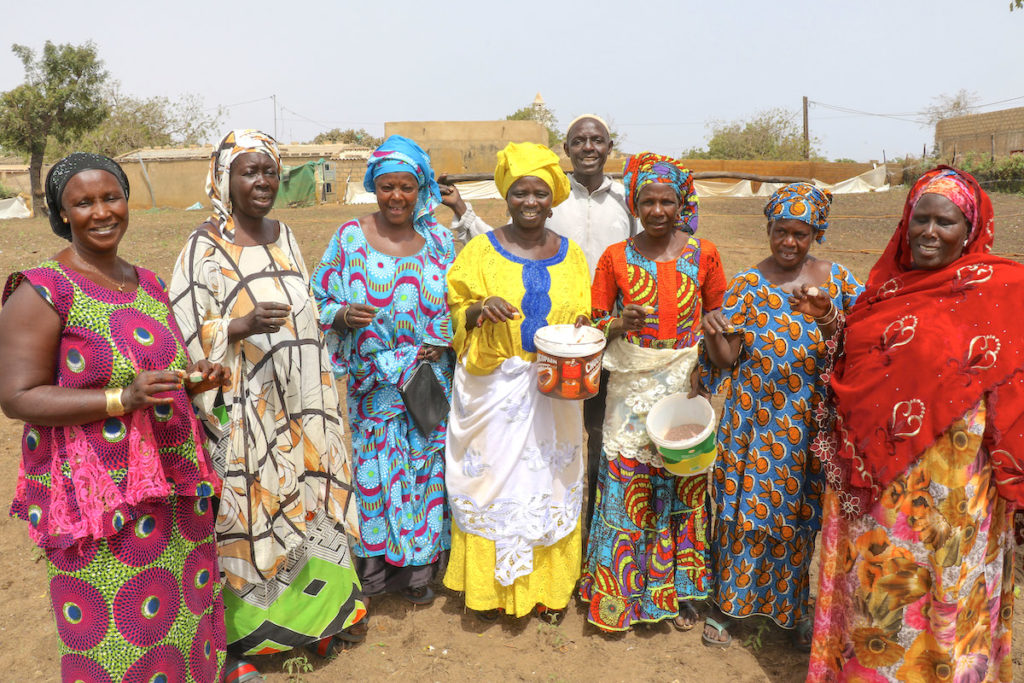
(801, 202)
(514, 457)
(647, 549)
(121, 506)
(399, 154)
(767, 483)
(218, 178)
(679, 291)
(399, 472)
(285, 507)
(647, 167)
(108, 337)
(143, 602)
(920, 587)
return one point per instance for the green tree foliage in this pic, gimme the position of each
(1016, 4)
(772, 134)
(348, 136)
(61, 97)
(136, 122)
(541, 114)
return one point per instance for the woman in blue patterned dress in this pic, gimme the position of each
(767, 484)
(381, 291)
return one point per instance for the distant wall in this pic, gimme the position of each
(466, 146)
(177, 183)
(825, 171)
(997, 133)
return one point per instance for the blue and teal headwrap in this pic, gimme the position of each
(400, 154)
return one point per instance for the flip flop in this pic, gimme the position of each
(550, 616)
(802, 636)
(488, 615)
(722, 628)
(420, 595)
(691, 611)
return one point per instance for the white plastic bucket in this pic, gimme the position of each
(569, 361)
(689, 456)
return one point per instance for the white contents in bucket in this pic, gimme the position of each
(683, 432)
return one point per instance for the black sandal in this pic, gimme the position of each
(420, 595)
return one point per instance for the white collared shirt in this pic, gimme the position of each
(594, 220)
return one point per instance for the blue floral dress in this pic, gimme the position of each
(399, 472)
(767, 485)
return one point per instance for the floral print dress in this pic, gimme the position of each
(921, 587)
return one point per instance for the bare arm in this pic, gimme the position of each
(30, 332)
(720, 339)
(816, 303)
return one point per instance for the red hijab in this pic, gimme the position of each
(922, 347)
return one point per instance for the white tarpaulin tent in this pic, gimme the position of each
(869, 181)
(15, 207)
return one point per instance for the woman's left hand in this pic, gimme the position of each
(812, 301)
(429, 353)
(214, 375)
(582, 321)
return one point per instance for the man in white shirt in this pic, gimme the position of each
(594, 217)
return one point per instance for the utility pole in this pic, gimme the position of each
(274, 97)
(807, 136)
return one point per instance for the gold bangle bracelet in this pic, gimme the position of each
(114, 406)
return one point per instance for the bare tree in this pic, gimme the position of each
(947, 106)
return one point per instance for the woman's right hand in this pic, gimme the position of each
(265, 317)
(715, 323)
(355, 317)
(142, 392)
(633, 319)
(496, 310)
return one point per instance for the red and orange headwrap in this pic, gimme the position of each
(647, 167)
(951, 185)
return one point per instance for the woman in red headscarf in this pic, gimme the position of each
(924, 452)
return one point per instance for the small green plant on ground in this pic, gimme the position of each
(755, 641)
(296, 666)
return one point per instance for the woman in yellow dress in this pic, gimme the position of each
(513, 462)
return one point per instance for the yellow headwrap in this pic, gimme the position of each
(520, 159)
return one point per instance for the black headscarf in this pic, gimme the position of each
(65, 169)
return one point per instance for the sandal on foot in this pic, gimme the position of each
(723, 630)
(551, 616)
(802, 636)
(240, 671)
(356, 633)
(420, 595)
(680, 623)
(488, 615)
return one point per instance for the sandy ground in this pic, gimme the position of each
(444, 642)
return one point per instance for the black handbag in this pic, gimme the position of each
(424, 398)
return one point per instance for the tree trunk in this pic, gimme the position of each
(35, 170)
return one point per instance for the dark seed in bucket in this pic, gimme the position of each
(683, 432)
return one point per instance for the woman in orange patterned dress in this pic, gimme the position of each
(923, 452)
(647, 555)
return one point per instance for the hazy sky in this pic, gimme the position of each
(660, 71)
